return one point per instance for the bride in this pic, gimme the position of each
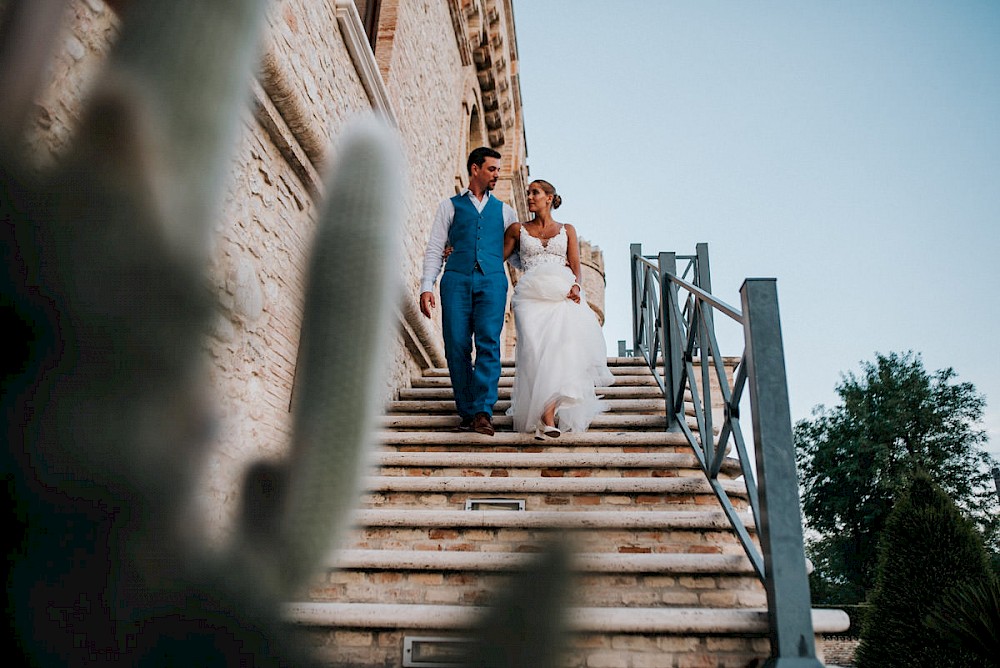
(561, 354)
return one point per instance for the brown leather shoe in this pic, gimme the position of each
(483, 424)
(464, 425)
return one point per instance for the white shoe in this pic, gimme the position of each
(551, 432)
(539, 436)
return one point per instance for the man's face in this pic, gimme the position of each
(485, 175)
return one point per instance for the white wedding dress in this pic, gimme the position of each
(561, 355)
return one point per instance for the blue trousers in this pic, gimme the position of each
(472, 309)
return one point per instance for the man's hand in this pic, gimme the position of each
(426, 303)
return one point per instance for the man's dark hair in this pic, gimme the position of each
(478, 157)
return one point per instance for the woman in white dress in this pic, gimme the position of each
(561, 354)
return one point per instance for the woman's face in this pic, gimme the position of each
(538, 199)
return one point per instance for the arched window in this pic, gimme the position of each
(477, 135)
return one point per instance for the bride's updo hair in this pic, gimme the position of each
(549, 189)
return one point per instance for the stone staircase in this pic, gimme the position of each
(661, 579)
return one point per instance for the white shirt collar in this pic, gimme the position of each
(466, 192)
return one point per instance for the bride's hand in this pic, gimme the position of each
(574, 293)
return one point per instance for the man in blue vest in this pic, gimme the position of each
(473, 288)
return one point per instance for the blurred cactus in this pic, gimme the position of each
(105, 395)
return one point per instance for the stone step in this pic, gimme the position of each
(578, 463)
(508, 381)
(567, 502)
(608, 579)
(554, 519)
(506, 442)
(595, 588)
(508, 371)
(621, 437)
(667, 621)
(444, 393)
(348, 635)
(638, 360)
(648, 538)
(730, 361)
(447, 406)
(440, 484)
(616, 365)
(604, 422)
(663, 564)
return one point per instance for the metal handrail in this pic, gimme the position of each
(680, 335)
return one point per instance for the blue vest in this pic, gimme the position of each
(477, 238)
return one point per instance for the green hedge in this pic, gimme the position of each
(927, 549)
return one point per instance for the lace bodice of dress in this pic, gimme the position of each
(535, 252)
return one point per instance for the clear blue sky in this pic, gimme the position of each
(850, 149)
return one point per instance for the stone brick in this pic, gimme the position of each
(679, 598)
(353, 638)
(677, 644)
(632, 549)
(442, 534)
(651, 661)
(717, 644)
(591, 641)
(719, 599)
(753, 599)
(704, 549)
(697, 661)
(697, 582)
(606, 659)
(447, 596)
(478, 535)
(639, 598)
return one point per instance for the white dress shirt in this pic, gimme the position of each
(434, 255)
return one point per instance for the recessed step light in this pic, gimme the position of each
(435, 652)
(494, 504)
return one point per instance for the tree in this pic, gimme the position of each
(854, 461)
(929, 550)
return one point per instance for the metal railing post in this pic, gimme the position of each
(703, 275)
(786, 582)
(635, 252)
(703, 279)
(667, 263)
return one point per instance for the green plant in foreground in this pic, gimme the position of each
(969, 615)
(105, 394)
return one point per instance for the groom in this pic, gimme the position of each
(473, 288)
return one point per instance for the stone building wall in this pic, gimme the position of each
(420, 63)
(443, 71)
(592, 268)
